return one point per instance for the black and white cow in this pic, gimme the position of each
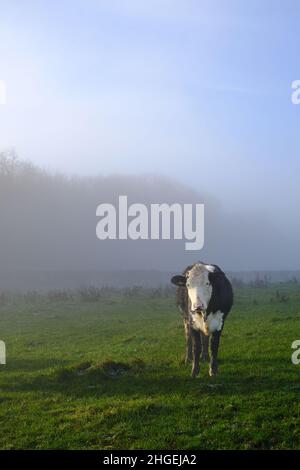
(204, 297)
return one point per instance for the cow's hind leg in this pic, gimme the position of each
(214, 347)
(204, 350)
(196, 351)
(188, 341)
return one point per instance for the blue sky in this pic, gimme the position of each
(197, 90)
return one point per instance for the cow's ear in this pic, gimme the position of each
(179, 281)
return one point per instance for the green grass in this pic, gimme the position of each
(109, 375)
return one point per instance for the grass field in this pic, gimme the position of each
(109, 375)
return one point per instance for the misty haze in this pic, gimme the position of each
(48, 231)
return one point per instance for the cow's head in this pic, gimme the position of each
(199, 283)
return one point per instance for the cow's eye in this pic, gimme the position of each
(207, 284)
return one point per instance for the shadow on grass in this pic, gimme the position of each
(117, 379)
(31, 365)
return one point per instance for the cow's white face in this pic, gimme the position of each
(198, 285)
(199, 288)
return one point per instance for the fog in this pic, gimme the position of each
(189, 103)
(48, 225)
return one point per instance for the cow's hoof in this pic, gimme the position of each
(213, 371)
(195, 372)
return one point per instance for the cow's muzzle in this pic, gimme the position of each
(201, 312)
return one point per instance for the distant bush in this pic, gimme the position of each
(90, 294)
(134, 291)
(293, 280)
(281, 297)
(32, 296)
(60, 295)
(161, 292)
(87, 294)
(261, 282)
(150, 292)
(5, 297)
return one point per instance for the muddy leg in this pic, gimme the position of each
(204, 351)
(196, 351)
(214, 347)
(188, 341)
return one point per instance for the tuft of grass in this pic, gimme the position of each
(107, 368)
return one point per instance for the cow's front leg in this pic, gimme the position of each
(196, 338)
(214, 347)
(188, 341)
(204, 350)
